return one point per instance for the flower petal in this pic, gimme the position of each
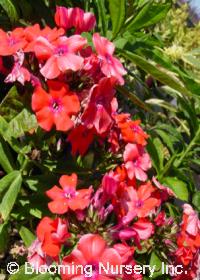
(40, 99)
(92, 246)
(50, 70)
(62, 121)
(69, 62)
(58, 206)
(68, 181)
(45, 118)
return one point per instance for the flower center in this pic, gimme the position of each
(69, 193)
(108, 58)
(12, 41)
(56, 105)
(61, 50)
(139, 203)
(135, 128)
(93, 271)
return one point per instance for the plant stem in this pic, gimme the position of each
(190, 146)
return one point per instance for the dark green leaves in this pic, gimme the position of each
(102, 21)
(27, 236)
(117, 10)
(23, 122)
(150, 14)
(158, 73)
(3, 237)
(6, 181)
(179, 187)
(155, 261)
(10, 196)
(6, 160)
(11, 105)
(196, 200)
(10, 9)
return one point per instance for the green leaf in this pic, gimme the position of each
(133, 97)
(172, 210)
(40, 183)
(23, 122)
(8, 137)
(4, 237)
(117, 12)
(150, 14)
(27, 236)
(196, 200)
(161, 103)
(158, 74)
(155, 261)
(179, 187)
(102, 16)
(167, 139)
(6, 181)
(192, 60)
(10, 9)
(156, 151)
(170, 130)
(6, 160)
(22, 275)
(11, 105)
(160, 151)
(10, 197)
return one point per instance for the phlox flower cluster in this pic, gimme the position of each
(74, 91)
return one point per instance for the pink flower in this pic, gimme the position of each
(99, 108)
(68, 197)
(92, 250)
(60, 55)
(144, 228)
(160, 219)
(55, 107)
(52, 234)
(110, 66)
(126, 252)
(11, 42)
(110, 184)
(137, 161)
(34, 31)
(185, 255)
(36, 256)
(74, 17)
(192, 221)
(140, 202)
(165, 192)
(18, 73)
(80, 138)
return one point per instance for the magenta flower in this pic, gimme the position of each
(98, 112)
(18, 73)
(110, 66)
(137, 161)
(91, 250)
(140, 202)
(74, 17)
(61, 55)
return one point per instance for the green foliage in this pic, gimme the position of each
(10, 196)
(179, 187)
(10, 9)
(117, 10)
(149, 14)
(155, 261)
